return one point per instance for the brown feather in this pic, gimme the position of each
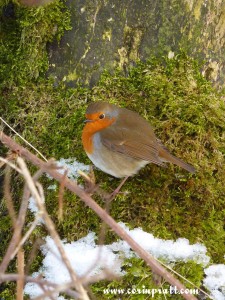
(137, 141)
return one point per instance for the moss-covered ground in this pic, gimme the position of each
(188, 115)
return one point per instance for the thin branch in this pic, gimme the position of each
(28, 233)
(60, 198)
(47, 285)
(17, 233)
(104, 275)
(23, 138)
(185, 279)
(36, 243)
(62, 288)
(51, 228)
(6, 161)
(8, 196)
(20, 281)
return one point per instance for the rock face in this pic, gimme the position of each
(114, 33)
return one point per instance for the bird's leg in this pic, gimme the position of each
(116, 191)
(90, 185)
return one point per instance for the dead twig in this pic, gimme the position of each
(44, 284)
(61, 192)
(51, 228)
(17, 233)
(29, 144)
(8, 196)
(28, 233)
(20, 281)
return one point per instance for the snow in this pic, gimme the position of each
(34, 209)
(88, 258)
(32, 205)
(72, 166)
(169, 250)
(83, 255)
(52, 187)
(215, 281)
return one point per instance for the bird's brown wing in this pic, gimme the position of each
(131, 143)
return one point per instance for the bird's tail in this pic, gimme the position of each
(165, 155)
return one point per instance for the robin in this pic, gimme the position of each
(120, 142)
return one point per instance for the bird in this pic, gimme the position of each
(120, 142)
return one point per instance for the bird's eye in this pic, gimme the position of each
(102, 116)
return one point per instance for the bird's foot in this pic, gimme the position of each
(116, 191)
(90, 185)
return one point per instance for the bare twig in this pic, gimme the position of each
(45, 284)
(57, 289)
(20, 281)
(35, 247)
(51, 228)
(104, 275)
(8, 196)
(23, 138)
(17, 233)
(28, 233)
(61, 192)
(38, 196)
(6, 161)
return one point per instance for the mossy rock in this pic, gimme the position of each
(188, 116)
(113, 33)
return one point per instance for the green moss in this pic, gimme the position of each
(25, 33)
(140, 282)
(188, 116)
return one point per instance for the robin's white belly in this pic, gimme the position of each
(114, 163)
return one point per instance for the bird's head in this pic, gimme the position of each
(100, 115)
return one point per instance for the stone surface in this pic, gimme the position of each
(110, 34)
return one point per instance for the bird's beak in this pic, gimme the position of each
(88, 118)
